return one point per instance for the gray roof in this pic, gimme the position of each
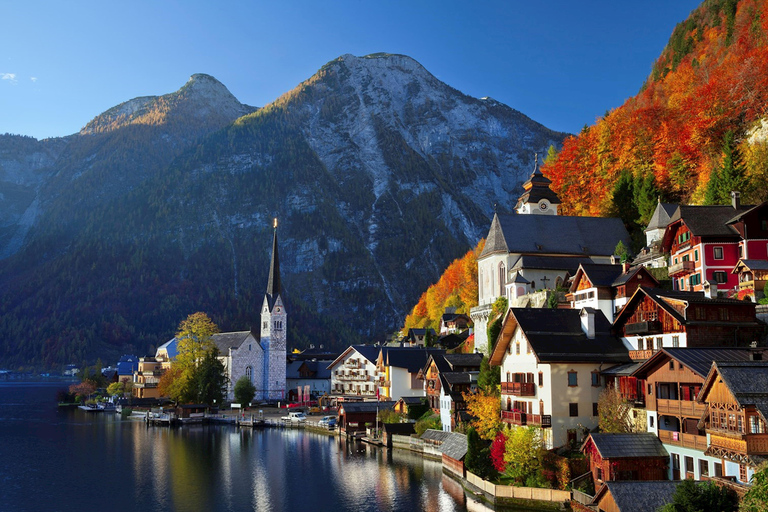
(644, 444)
(413, 400)
(661, 216)
(746, 380)
(601, 274)
(464, 360)
(320, 369)
(622, 370)
(756, 264)
(455, 446)
(404, 429)
(569, 263)
(641, 496)
(708, 220)
(226, 340)
(435, 435)
(556, 335)
(355, 407)
(698, 360)
(554, 234)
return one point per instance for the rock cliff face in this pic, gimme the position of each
(379, 173)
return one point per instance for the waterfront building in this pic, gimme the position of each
(637, 496)
(308, 374)
(550, 363)
(446, 377)
(260, 356)
(398, 370)
(537, 249)
(354, 373)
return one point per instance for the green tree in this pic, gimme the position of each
(551, 155)
(757, 496)
(524, 453)
(494, 326)
(729, 176)
(194, 339)
(489, 378)
(623, 199)
(428, 421)
(478, 457)
(244, 391)
(646, 198)
(116, 388)
(693, 496)
(210, 379)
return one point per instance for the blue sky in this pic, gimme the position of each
(562, 63)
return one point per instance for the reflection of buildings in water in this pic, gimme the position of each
(150, 466)
(453, 489)
(188, 471)
(358, 480)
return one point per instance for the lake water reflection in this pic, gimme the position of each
(70, 460)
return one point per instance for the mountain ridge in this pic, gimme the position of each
(380, 174)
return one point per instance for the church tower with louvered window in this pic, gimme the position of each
(273, 330)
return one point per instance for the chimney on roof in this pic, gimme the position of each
(710, 290)
(588, 322)
(735, 199)
(625, 267)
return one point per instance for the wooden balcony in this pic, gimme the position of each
(640, 355)
(518, 388)
(680, 408)
(693, 441)
(523, 419)
(681, 269)
(757, 444)
(647, 327)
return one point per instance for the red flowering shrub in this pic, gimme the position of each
(497, 452)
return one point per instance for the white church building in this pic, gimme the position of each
(261, 359)
(537, 249)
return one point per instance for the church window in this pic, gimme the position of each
(502, 275)
(249, 374)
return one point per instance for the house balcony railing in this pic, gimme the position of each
(145, 385)
(646, 327)
(680, 407)
(518, 388)
(523, 419)
(693, 441)
(748, 444)
(640, 355)
(747, 285)
(682, 268)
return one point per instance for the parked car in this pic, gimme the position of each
(327, 421)
(295, 416)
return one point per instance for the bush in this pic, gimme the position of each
(426, 422)
(244, 391)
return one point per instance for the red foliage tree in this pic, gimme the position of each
(498, 446)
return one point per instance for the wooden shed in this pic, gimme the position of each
(634, 496)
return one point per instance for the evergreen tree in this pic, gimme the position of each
(478, 458)
(729, 176)
(244, 391)
(693, 496)
(210, 379)
(489, 378)
(646, 199)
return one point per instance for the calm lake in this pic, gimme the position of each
(54, 460)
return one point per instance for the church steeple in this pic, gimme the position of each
(537, 197)
(273, 285)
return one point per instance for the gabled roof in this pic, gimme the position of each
(751, 265)
(707, 220)
(556, 335)
(554, 234)
(435, 435)
(412, 400)
(170, 347)
(230, 340)
(455, 446)
(453, 340)
(641, 444)
(638, 496)
(661, 216)
(698, 360)
(600, 275)
(569, 263)
(746, 212)
(624, 277)
(746, 381)
(664, 298)
(369, 352)
(319, 368)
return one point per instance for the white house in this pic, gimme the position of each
(550, 363)
(399, 370)
(354, 372)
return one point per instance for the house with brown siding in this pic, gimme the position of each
(735, 395)
(639, 456)
(634, 496)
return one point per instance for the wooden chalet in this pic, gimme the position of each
(654, 318)
(736, 398)
(752, 275)
(607, 287)
(446, 377)
(639, 456)
(673, 378)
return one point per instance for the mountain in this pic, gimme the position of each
(379, 173)
(693, 133)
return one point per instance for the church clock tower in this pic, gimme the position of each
(537, 197)
(273, 330)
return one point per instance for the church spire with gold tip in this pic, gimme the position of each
(273, 285)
